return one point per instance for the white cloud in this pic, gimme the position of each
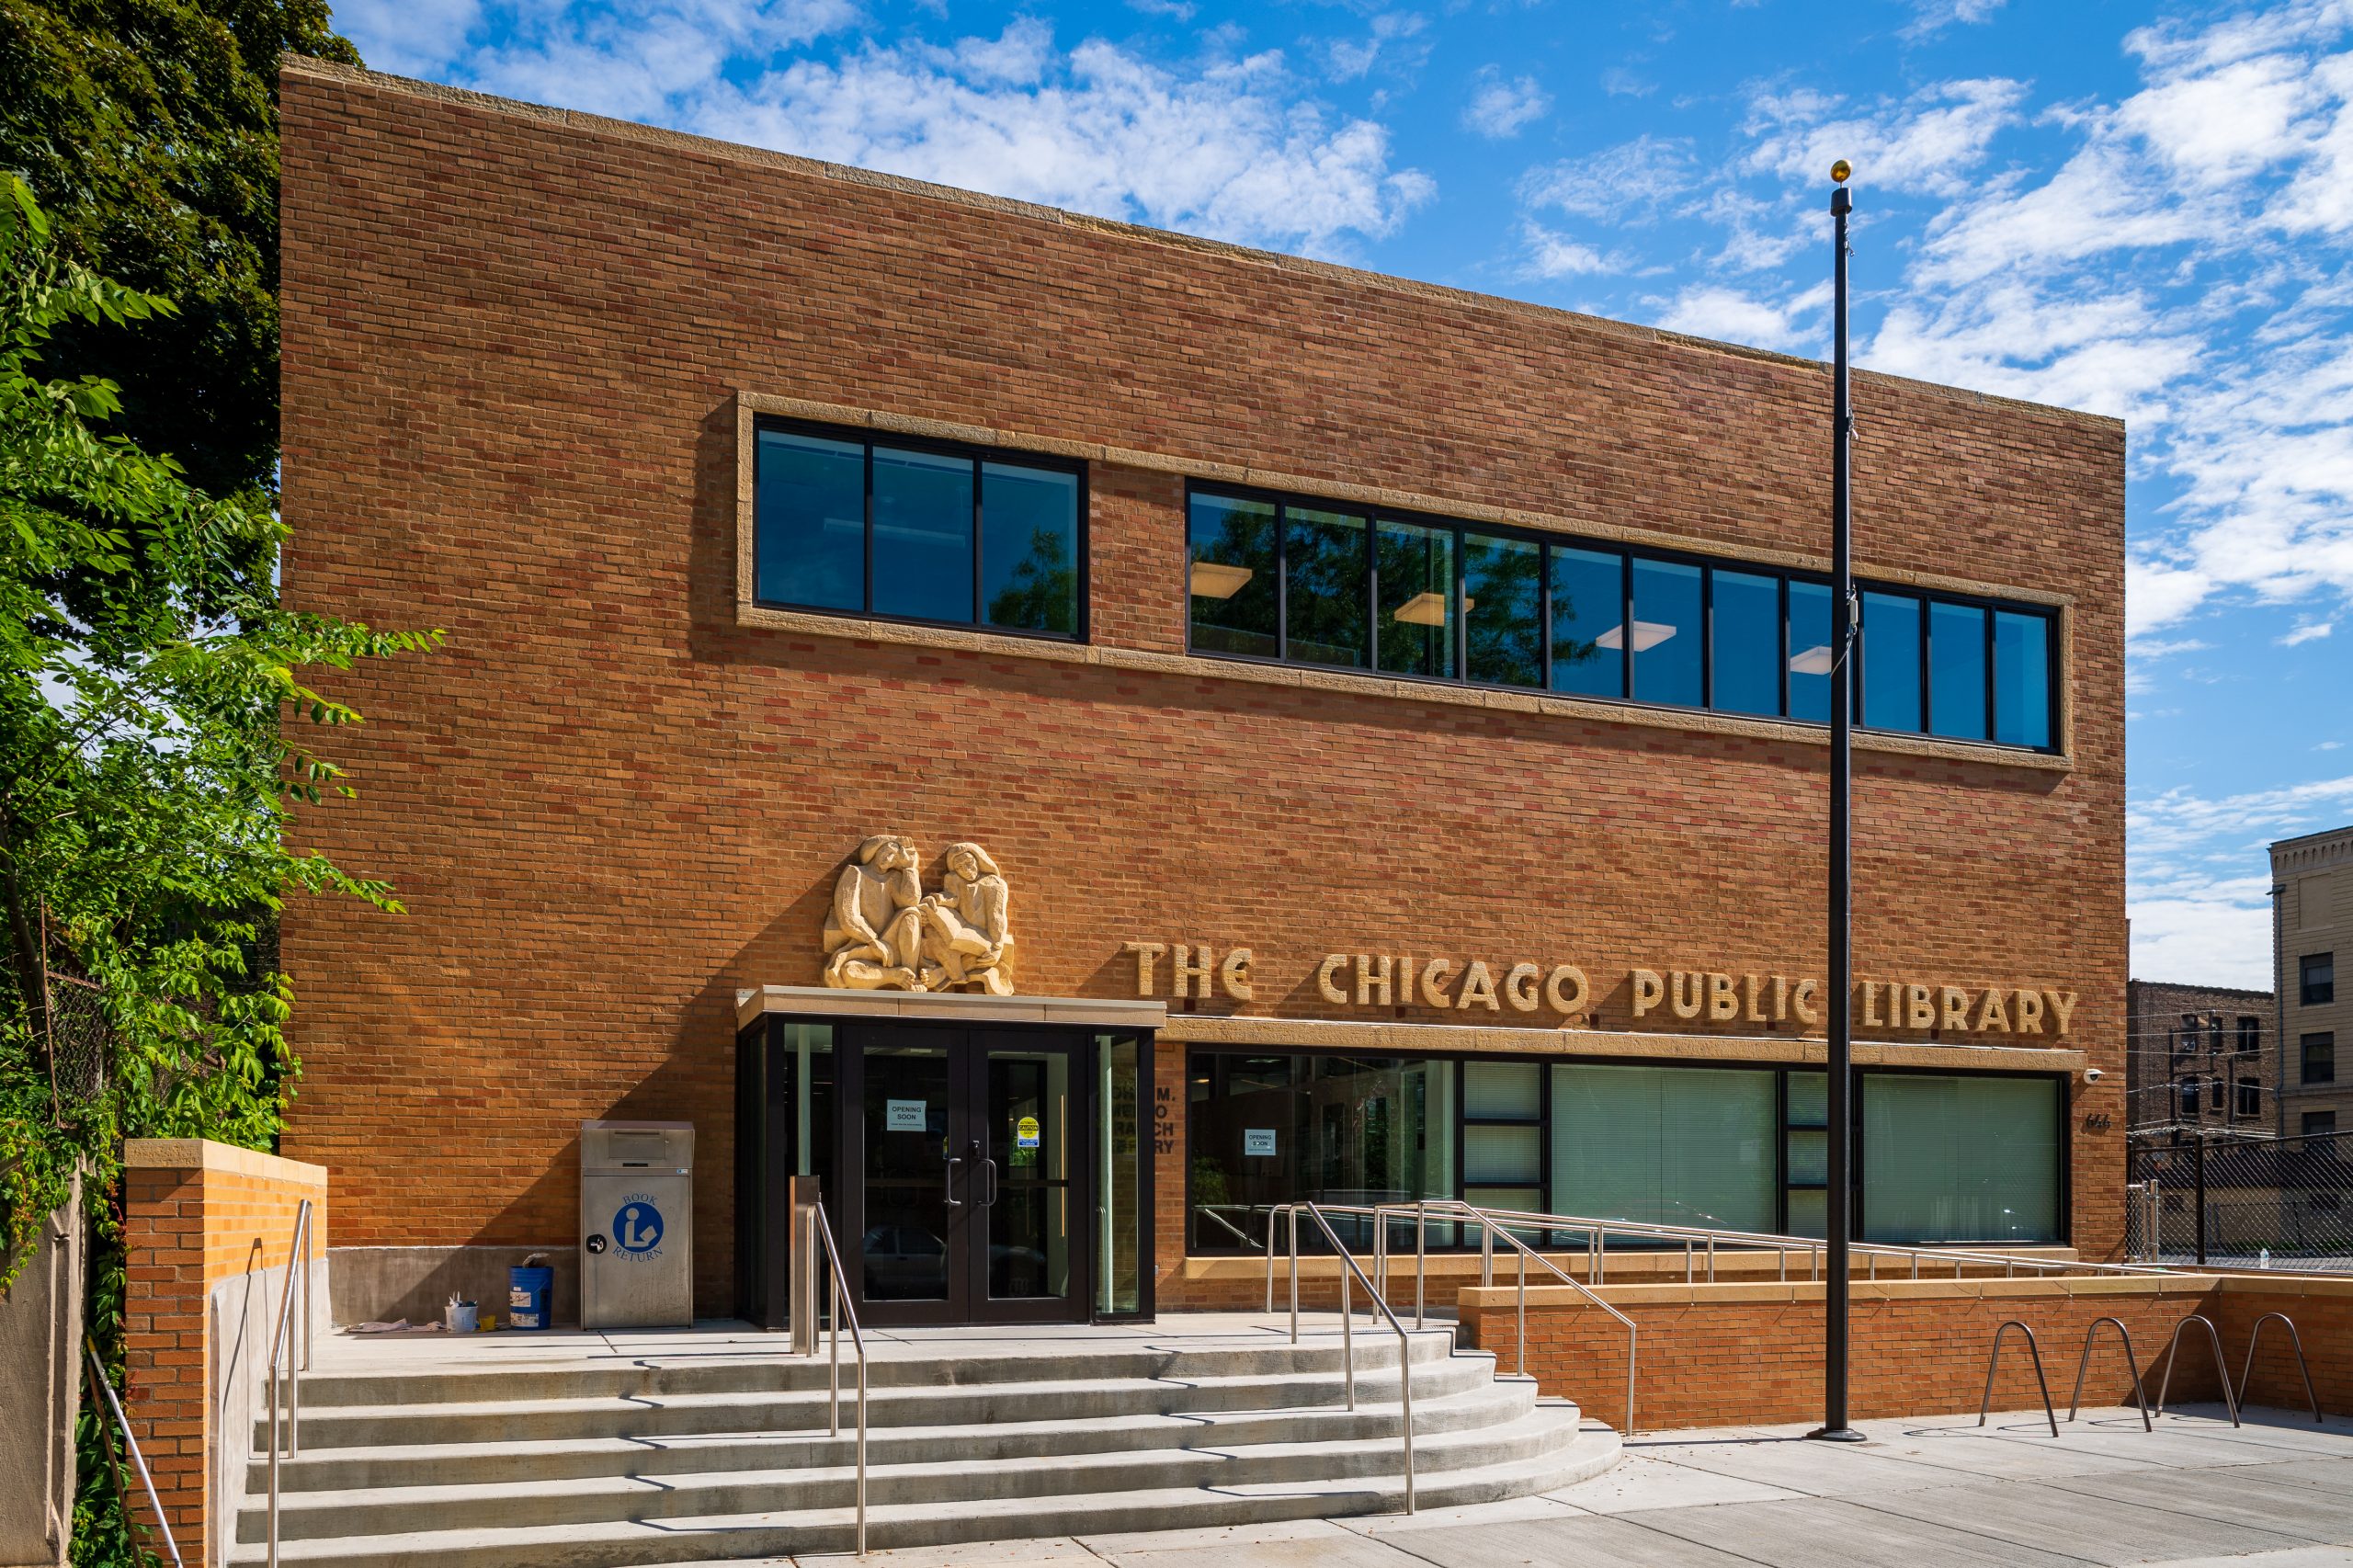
(1352, 58)
(1500, 109)
(2179, 820)
(1633, 177)
(1554, 254)
(639, 62)
(408, 37)
(1928, 141)
(2308, 631)
(1231, 151)
(1619, 82)
(1175, 10)
(1732, 316)
(1932, 17)
(2204, 933)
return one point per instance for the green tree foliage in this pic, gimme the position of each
(148, 130)
(145, 790)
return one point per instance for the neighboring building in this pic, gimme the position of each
(2311, 940)
(2199, 1056)
(1312, 734)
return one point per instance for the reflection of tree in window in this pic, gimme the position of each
(1325, 554)
(1503, 590)
(1041, 595)
(1233, 577)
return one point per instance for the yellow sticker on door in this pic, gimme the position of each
(1025, 1132)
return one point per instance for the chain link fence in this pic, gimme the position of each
(2242, 1203)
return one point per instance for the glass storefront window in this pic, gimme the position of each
(1589, 617)
(1957, 671)
(1232, 591)
(1670, 1145)
(1030, 548)
(1890, 662)
(1503, 617)
(923, 535)
(2021, 679)
(812, 543)
(1121, 1198)
(1416, 573)
(1745, 638)
(1324, 600)
(1810, 663)
(1960, 1159)
(1666, 633)
(1264, 1130)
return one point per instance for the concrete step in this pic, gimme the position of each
(608, 1417)
(319, 1469)
(534, 1377)
(405, 1510)
(729, 1537)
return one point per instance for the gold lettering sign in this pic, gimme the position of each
(1193, 972)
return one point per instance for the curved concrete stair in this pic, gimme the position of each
(599, 1466)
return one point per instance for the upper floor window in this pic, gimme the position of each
(2250, 1034)
(919, 530)
(2319, 1123)
(2316, 978)
(1316, 582)
(2319, 1053)
(2250, 1099)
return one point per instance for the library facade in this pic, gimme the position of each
(1073, 736)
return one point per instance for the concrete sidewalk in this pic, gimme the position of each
(1935, 1492)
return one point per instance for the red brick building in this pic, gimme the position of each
(1392, 715)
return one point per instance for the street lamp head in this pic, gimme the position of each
(1842, 171)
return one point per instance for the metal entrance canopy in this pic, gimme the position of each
(958, 1006)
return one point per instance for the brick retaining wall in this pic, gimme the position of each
(1740, 1354)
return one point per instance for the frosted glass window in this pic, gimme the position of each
(1672, 1145)
(1959, 1159)
(1511, 1091)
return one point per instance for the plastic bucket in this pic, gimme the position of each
(528, 1290)
(459, 1317)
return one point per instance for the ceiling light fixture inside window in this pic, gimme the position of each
(1648, 634)
(1814, 661)
(1214, 580)
(1424, 609)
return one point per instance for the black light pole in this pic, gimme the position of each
(1835, 1273)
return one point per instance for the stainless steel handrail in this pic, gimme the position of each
(842, 1309)
(1489, 1229)
(1993, 1364)
(1348, 1318)
(2301, 1365)
(281, 1348)
(2173, 1347)
(130, 1440)
(2084, 1362)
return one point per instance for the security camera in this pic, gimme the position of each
(2093, 1074)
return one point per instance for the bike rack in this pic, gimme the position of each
(2230, 1400)
(1994, 1364)
(2301, 1365)
(2083, 1364)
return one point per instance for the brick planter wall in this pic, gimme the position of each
(198, 1216)
(1734, 1355)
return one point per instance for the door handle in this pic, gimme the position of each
(948, 1182)
(990, 1199)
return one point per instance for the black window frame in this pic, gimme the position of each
(2250, 1038)
(2311, 992)
(2247, 1102)
(1708, 564)
(978, 454)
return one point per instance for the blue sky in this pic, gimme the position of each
(2144, 210)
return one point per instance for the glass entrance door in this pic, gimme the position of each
(971, 1159)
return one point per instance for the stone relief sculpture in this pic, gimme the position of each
(885, 934)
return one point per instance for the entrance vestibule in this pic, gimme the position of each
(974, 1174)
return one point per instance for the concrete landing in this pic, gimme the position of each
(1925, 1494)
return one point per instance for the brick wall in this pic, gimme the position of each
(514, 342)
(199, 1215)
(2321, 1311)
(1732, 1355)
